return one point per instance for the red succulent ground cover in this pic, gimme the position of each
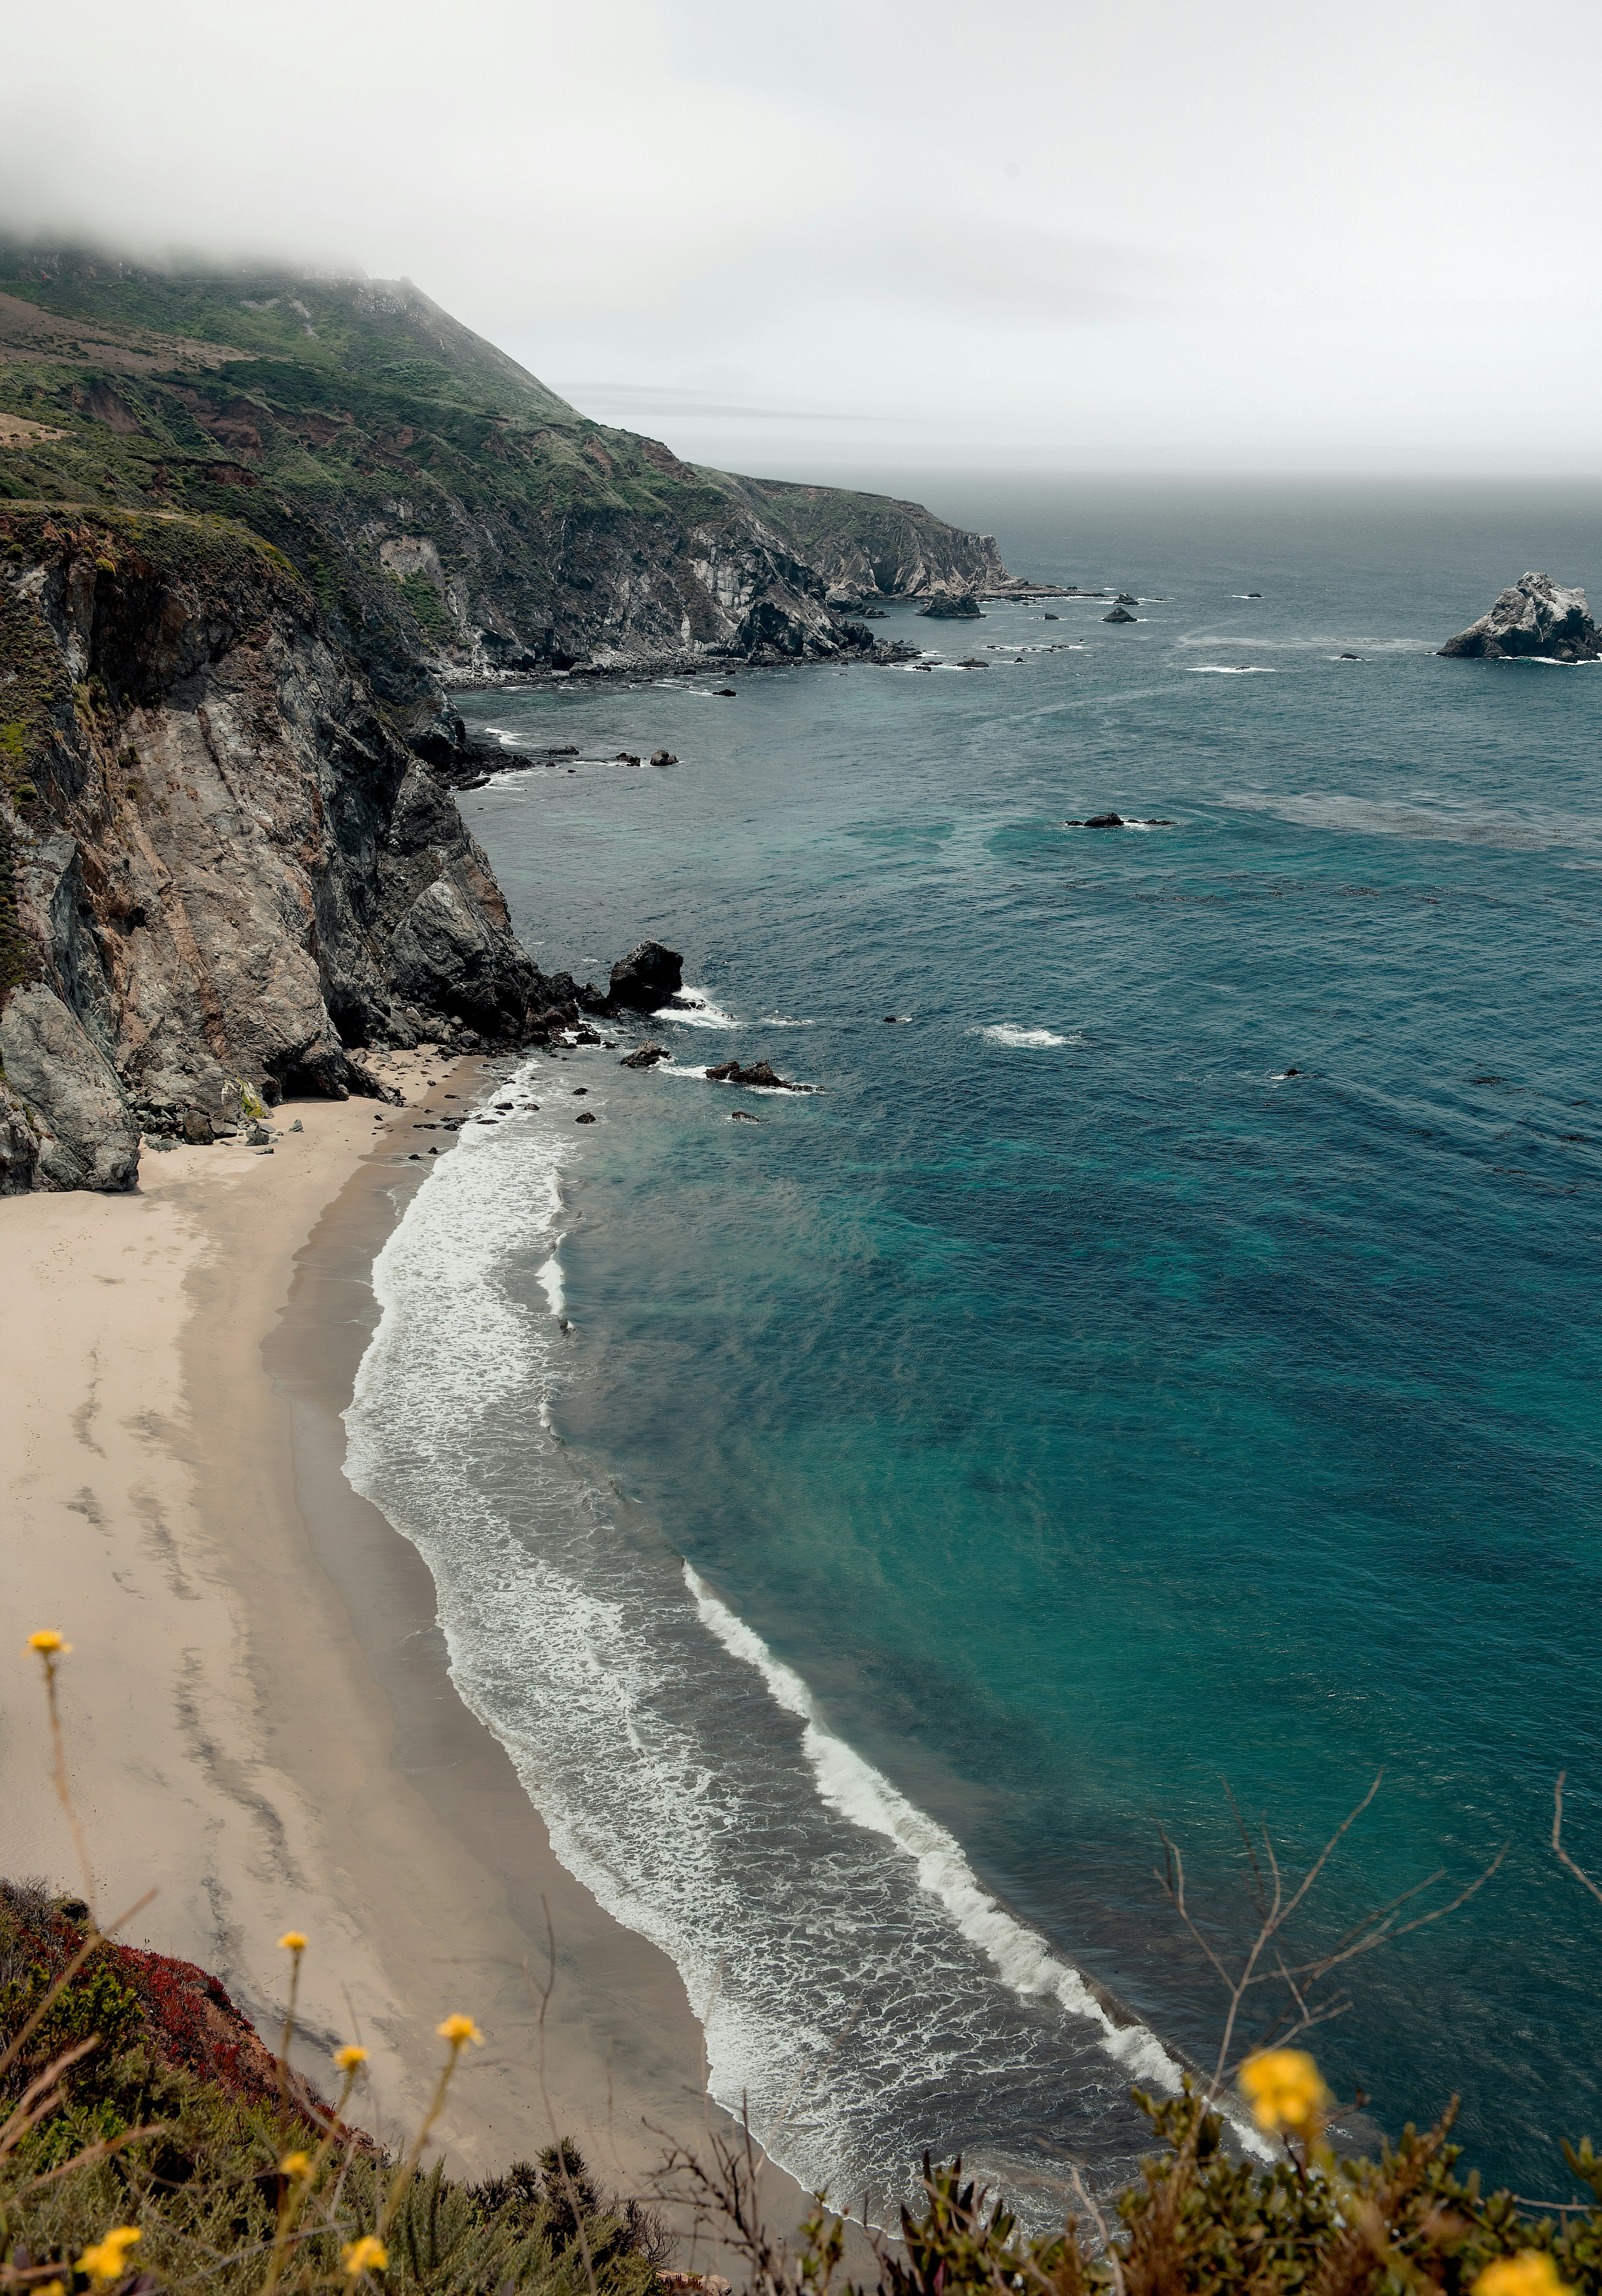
(190, 2019)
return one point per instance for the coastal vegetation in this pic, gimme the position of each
(362, 430)
(151, 2140)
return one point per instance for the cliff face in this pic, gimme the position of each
(456, 520)
(251, 527)
(221, 871)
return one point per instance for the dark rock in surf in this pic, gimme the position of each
(1535, 616)
(953, 606)
(646, 978)
(1105, 821)
(1118, 614)
(589, 1117)
(759, 1078)
(647, 1057)
(743, 1116)
(1125, 600)
(663, 757)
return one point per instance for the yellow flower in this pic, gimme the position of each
(295, 2164)
(48, 1643)
(1532, 2274)
(350, 2056)
(104, 2261)
(364, 2255)
(293, 1942)
(1285, 2091)
(458, 2029)
(52, 2288)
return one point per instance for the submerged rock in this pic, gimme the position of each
(1534, 616)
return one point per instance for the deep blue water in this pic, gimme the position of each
(1086, 1410)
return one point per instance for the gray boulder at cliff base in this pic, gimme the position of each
(1536, 617)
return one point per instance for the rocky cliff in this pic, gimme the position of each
(1535, 617)
(458, 521)
(252, 527)
(222, 873)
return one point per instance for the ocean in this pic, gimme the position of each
(1151, 1378)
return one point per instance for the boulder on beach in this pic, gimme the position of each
(953, 606)
(1118, 614)
(1534, 616)
(646, 978)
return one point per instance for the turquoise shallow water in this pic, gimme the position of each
(1084, 1409)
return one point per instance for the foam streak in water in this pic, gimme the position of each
(704, 1803)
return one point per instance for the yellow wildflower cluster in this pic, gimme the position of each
(106, 2260)
(350, 2056)
(364, 2255)
(459, 2030)
(1286, 2092)
(1531, 2273)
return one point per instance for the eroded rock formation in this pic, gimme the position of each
(222, 872)
(1535, 617)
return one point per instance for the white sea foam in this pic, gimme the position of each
(549, 1280)
(859, 1793)
(705, 1805)
(1022, 1039)
(777, 1021)
(704, 1015)
(1421, 814)
(1230, 669)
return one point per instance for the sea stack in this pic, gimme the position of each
(952, 606)
(1535, 617)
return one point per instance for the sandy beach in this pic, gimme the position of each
(259, 1722)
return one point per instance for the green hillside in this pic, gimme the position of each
(454, 515)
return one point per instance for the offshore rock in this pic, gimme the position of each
(645, 1057)
(1535, 617)
(761, 1075)
(646, 978)
(1119, 614)
(953, 606)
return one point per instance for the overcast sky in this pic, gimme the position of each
(1163, 235)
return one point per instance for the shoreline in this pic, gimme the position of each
(260, 1719)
